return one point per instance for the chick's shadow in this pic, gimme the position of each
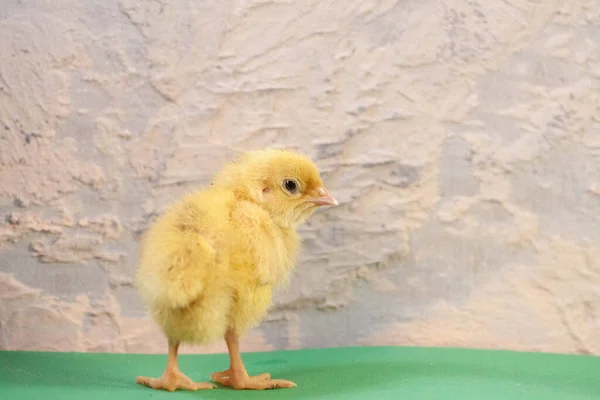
(367, 379)
(321, 382)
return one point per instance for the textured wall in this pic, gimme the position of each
(462, 138)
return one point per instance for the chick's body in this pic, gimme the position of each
(210, 263)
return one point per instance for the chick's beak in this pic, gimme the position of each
(324, 199)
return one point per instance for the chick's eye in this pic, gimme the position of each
(290, 185)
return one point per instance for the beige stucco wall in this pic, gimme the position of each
(462, 138)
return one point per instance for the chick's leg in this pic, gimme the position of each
(173, 378)
(237, 377)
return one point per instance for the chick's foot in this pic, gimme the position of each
(227, 372)
(171, 380)
(241, 380)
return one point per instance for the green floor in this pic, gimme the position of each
(348, 373)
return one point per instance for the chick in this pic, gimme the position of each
(209, 264)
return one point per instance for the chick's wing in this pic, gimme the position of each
(184, 251)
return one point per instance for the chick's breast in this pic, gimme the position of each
(262, 259)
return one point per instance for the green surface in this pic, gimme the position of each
(346, 373)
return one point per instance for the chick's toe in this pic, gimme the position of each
(173, 380)
(241, 380)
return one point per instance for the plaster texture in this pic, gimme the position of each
(462, 139)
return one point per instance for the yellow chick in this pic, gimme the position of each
(210, 263)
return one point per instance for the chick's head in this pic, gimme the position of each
(286, 184)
